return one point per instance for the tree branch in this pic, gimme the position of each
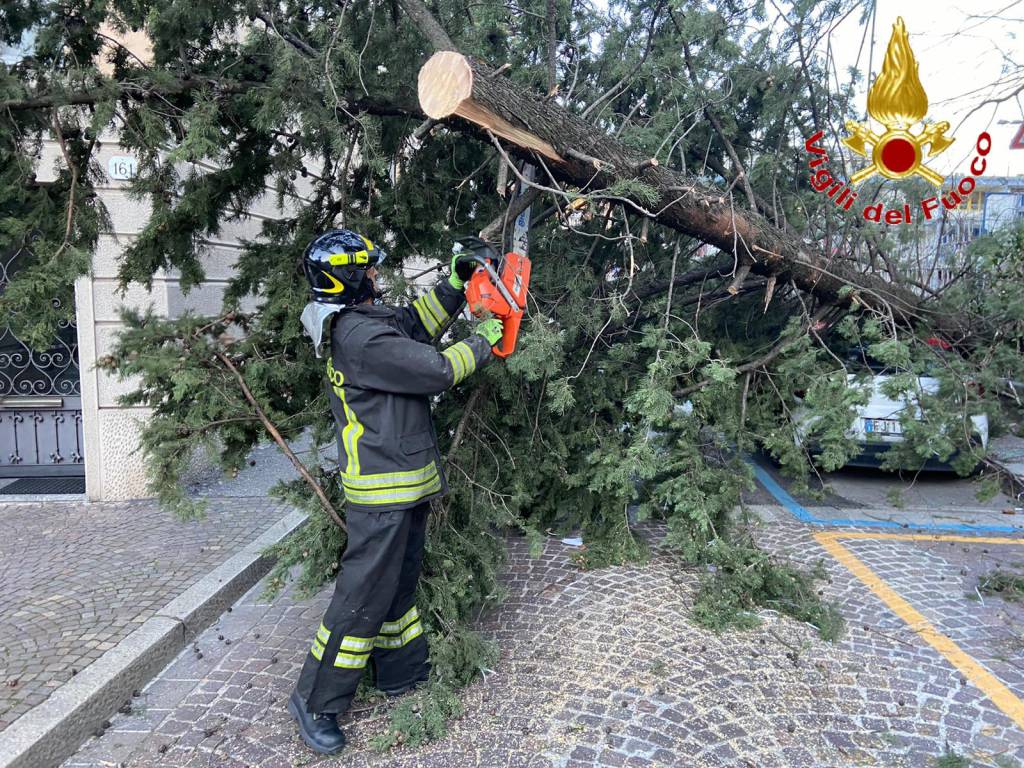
(493, 232)
(401, 106)
(753, 365)
(461, 90)
(281, 443)
(467, 411)
(741, 173)
(427, 25)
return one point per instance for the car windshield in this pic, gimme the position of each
(859, 361)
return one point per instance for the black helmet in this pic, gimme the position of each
(335, 264)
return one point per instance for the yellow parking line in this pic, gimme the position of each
(988, 683)
(929, 537)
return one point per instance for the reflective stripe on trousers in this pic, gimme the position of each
(353, 652)
(372, 619)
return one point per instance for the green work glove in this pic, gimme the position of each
(490, 330)
(462, 270)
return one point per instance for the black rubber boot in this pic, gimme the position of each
(320, 732)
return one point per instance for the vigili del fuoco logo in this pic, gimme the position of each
(898, 102)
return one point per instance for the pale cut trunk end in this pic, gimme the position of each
(446, 84)
(445, 81)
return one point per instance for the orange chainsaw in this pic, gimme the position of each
(496, 288)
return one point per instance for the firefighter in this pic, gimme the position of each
(381, 371)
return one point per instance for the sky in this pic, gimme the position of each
(960, 52)
(962, 47)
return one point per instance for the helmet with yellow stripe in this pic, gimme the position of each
(336, 263)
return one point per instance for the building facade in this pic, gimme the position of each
(60, 417)
(933, 252)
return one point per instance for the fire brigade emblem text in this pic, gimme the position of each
(898, 102)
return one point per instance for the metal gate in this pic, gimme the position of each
(40, 401)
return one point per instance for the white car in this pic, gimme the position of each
(877, 424)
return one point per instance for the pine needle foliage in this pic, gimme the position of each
(1002, 583)
(641, 381)
(950, 759)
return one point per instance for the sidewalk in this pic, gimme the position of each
(605, 668)
(97, 597)
(79, 578)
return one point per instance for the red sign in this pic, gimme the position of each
(1018, 140)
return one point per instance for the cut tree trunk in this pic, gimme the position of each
(472, 97)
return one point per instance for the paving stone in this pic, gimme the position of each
(879, 696)
(74, 587)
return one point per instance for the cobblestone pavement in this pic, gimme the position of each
(914, 694)
(78, 578)
(605, 668)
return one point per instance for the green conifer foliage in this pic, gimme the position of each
(641, 382)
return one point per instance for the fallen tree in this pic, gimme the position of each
(649, 364)
(456, 87)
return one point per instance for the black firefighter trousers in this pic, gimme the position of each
(372, 618)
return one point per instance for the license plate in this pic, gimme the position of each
(882, 426)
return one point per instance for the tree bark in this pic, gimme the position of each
(428, 26)
(464, 91)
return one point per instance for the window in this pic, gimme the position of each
(975, 201)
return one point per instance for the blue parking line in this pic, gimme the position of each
(801, 514)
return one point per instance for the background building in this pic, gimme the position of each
(61, 426)
(935, 250)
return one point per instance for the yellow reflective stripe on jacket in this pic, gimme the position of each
(398, 625)
(467, 352)
(353, 430)
(394, 494)
(435, 305)
(457, 363)
(410, 634)
(426, 315)
(392, 487)
(455, 355)
(389, 479)
(431, 312)
(463, 360)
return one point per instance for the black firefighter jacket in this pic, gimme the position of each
(382, 372)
